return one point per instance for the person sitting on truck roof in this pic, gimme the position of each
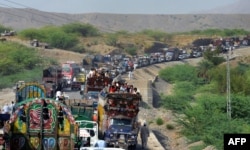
(130, 88)
(107, 74)
(58, 94)
(91, 73)
(123, 88)
(112, 89)
(11, 107)
(111, 103)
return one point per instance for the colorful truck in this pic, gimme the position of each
(93, 86)
(118, 119)
(52, 80)
(41, 123)
(30, 90)
(86, 118)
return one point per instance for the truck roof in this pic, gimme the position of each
(125, 96)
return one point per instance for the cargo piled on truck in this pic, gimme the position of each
(118, 117)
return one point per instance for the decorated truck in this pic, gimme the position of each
(118, 119)
(30, 90)
(52, 80)
(41, 123)
(93, 86)
(85, 111)
(86, 118)
(80, 130)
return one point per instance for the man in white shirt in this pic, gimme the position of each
(5, 109)
(100, 144)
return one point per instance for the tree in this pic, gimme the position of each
(202, 70)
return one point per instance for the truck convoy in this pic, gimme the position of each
(42, 122)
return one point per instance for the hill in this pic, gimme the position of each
(20, 19)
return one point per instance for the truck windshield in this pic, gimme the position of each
(169, 53)
(66, 69)
(116, 121)
(92, 94)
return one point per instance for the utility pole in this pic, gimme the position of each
(228, 85)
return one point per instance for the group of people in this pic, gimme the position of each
(98, 72)
(121, 87)
(8, 108)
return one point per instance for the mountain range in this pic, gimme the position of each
(235, 16)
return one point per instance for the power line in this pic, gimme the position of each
(53, 15)
(21, 16)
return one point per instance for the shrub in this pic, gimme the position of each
(131, 50)
(112, 40)
(78, 48)
(178, 73)
(84, 30)
(170, 127)
(159, 121)
(16, 58)
(62, 40)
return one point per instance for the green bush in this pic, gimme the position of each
(62, 40)
(78, 48)
(175, 103)
(31, 34)
(16, 57)
(131, 50)
(111, 40)
(85, 30)
(159, 121)
(179, 73)
(170, 126)
(3, 28)
(20, 63)
(157, 35)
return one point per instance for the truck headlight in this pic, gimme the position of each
(132, 136)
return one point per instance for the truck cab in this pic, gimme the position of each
(121, 132)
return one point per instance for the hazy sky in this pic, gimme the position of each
(118, 6)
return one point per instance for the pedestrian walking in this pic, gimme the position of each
(130, 75)
(144, 136)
